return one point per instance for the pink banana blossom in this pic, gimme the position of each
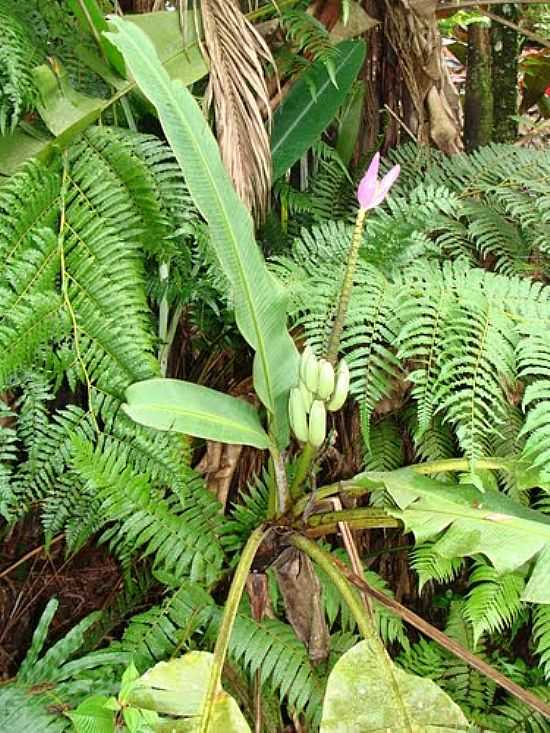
(371, 191)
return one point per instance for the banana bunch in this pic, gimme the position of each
(319, 389)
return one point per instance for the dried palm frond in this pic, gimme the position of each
(238, 92)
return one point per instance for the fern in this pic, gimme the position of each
(310, 38)
(248, 514)
(386, 446)
(534, 363)
(430, 565)
(180, 531)
(494, 600)
(18, 55)
(541, 636)
(513, 715)
(57, 679)
(269, 647)
(470, 689)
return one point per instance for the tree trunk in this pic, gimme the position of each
(505, 45)
(478, 106)
(407, 78)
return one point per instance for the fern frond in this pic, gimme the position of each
(309, 37)
(18, 55)
(272, 649)
(182, 537)
(248, 514)
(534, 367)
(541, 636)
(513, 715)
(164, 631)
(386, 450)
(494, 601)
(430, 565)
(390, 627)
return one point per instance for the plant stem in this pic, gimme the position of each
(365, 622)
(461, 464)
(366, 517)
(164, 275)
(323, 559)
(365, 482)
(347, 286)
(302, 469)
(228, 619)
(282, 499)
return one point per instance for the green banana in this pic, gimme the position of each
(298, 415)
(326, 380)
(317, 424)
(306, 395)
(341, 387)
(306, 355)
(311, 373)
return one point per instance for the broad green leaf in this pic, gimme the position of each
(62, 107)
(91, 716)
(365, 693)
(178, 687)
(470, 522)
(171, 404)
(163, 28)
(25, 673)
(302, 117)
(260, 301)
(19, 146)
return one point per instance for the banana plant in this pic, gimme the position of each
(295, 392)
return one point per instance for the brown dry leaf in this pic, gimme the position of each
(238, 92)
(301, 592)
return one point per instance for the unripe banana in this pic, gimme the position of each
(311, 373)
(326, 379)
(306, 355)
(298, 415)
(306, 395)
(341, 389)
(317, 424)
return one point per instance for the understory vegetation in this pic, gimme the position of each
(142, 277)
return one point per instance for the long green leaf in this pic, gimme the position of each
(467, 522)
(260, 301)
(171, 404)
(303, 116)
(365, 695)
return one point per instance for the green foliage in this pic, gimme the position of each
(312, 104)
(466, 338)
(446, 339)
(57, 678)
(541, 636)
(18, 55)
(494, 600)
(260, 302)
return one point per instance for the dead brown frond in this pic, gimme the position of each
(238, 92)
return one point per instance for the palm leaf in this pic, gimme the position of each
(238, 91)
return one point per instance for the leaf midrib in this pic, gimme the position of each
(169, 88)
